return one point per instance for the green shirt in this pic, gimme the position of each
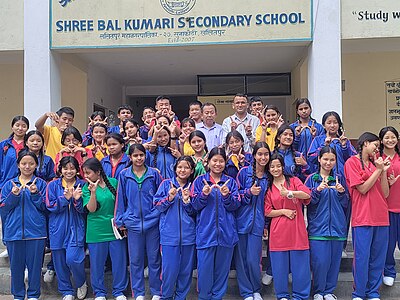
(98, 226)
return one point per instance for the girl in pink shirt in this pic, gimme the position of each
(389, 137)
(366, 177)
(288, 240)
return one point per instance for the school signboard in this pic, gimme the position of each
(141, 23)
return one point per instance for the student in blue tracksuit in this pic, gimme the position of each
(237, 158)
(326, 224)
(9, 149)
(67, 228)
(215, 197)
(34, 141)
(295, 163)
(135, 211)
(253, 184)
(117, 160)
(23, 205)
(164, 156)
(177, 230)
(99, 199)
(306, 128)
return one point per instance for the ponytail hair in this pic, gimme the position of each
(365, 137)
(94, 165)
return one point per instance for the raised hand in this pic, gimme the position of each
(255, 190)
(77, 193)
(338, 186)
(224, 188)
(172, 192)
(186, 194)
(16, 190)
(322, 185)
(32, 187)
(206, 188)
(392, 179)
(284, 191)
(93, 185)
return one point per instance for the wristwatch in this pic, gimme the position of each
(290, 195)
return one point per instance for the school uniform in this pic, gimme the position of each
(134, 209)
(370, 228)
(25, 235)
(303, 141)
(164, 161)
(250, 223)
(77, 155)
(233, 165)
(113, 170)
(291, 168)
(8, 161)
(216, 234)
(177, 239)
(67, 236)
(45, 169)
(144, 132)
(394, 216)
(101, 242)
(327, 232)
(288, 242)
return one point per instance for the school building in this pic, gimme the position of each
(98, 54)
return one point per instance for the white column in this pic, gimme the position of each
(42, 78)
(324, 59)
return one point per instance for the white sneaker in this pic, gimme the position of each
(48, 276)
(82, 291)
(357, 298)
(388, 281)
(374, 299)
(249, 298)
(33, 299)
(330, 297)
(146, 272)
(155, 297)
(194, 274)
(68, 297)
(283, 299)
(266, 279)
(257, 296)
(100, 298)
(4, 254)
(120, 297)
(139, 298)
(344, 255)
(318, 297)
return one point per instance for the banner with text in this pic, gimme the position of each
(393, 103)
(370, 18)
(127, 23)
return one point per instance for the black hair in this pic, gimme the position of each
(365, 137)
(258, 146)
(131, 120)
(102, 125)
(216, 151)
(338, 119)
(195, 102)
(118, 137)
(149, 107)
(139, 147)
(191, 163)
(255, 99)
(155, 153)
(125, 106)
(240, 95)
(300, 101)
(98, 113)
(199, 134)
(327, 149)
(41, 152)
(163, 116)
(273, 107)
(71, 130)
(161, 97)
(382, 133)
(279, 157)
(235, 134)
(66, 110)
(190, 121)
(95, 165)
(19, 118)
(208, 104)
(65, 161)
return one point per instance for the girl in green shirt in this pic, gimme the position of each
(99, 199)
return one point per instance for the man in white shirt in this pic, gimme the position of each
(242, 121)
(213, 131)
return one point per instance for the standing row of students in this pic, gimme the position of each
(200, 204)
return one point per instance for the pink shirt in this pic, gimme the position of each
(286, 234)
(370, 209)
(394, 195)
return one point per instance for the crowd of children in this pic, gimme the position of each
(176, 196)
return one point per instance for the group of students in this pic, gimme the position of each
(195, 194)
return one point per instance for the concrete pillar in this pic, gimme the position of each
(42, 78)
(324, 59)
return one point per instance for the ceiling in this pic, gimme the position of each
(180, 65)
